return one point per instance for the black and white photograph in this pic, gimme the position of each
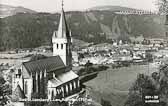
(83, 52)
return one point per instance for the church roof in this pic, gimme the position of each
(49, 64)
(67, 76)
(63, 78)
(63, 31)
(18, 93)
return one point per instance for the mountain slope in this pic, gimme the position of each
(6, 10)
(32, 30)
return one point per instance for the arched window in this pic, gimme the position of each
(19, 71)
(26, 88)
(57, 46)
(62, 46)
(67, 89)
(62, 91)
(52, 94)
(57, 91)
(70, 84)
(74, 84)
(34, 83)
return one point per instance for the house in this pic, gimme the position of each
(51, 77)
(157, 42)
(75, 57)
(138, 39)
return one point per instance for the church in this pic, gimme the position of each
(52, 77)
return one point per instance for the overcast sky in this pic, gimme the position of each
(55, 5)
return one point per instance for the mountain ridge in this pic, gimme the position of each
(113, 8)
(7, 10)
(32, 30)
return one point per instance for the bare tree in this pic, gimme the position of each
(163, 6)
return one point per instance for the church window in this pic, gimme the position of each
(34, 84)
(58, 91)
(52, 94)
(62, 91)
(67, 88)
(26, 88)
(61, 46)
(70, 86)
(19, 71)
(74, 84)
(57, 46)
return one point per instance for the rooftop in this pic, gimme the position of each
(49, 64)
(63, 78)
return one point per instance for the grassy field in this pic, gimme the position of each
(17, 58)
(113, 85)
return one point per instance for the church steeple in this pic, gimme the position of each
(62, 40)
(63, 30)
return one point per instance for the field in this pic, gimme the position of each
(17, 58)
(113, 85)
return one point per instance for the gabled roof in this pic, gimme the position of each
(63, 78)
(49, 64)
(18, 93)
(67, 76)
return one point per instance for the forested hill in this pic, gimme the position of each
(25, 30)
(7, 10)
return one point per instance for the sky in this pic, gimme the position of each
(69, 5)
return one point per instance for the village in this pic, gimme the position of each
(117, 52)
(138, 52)
(114, 56)
(115, 72)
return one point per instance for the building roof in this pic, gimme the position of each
(63, 31)
(19, 92)
(49, 64)
(67, 76)
(63, 78)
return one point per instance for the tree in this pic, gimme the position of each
(163, 80)
(4, 92)
(156, 84)
(163, 9)
(142, 86)
(163, 6)
(149, 57)
(81, 56)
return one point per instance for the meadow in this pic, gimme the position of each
(113, 84)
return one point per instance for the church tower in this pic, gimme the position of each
(62, 41)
